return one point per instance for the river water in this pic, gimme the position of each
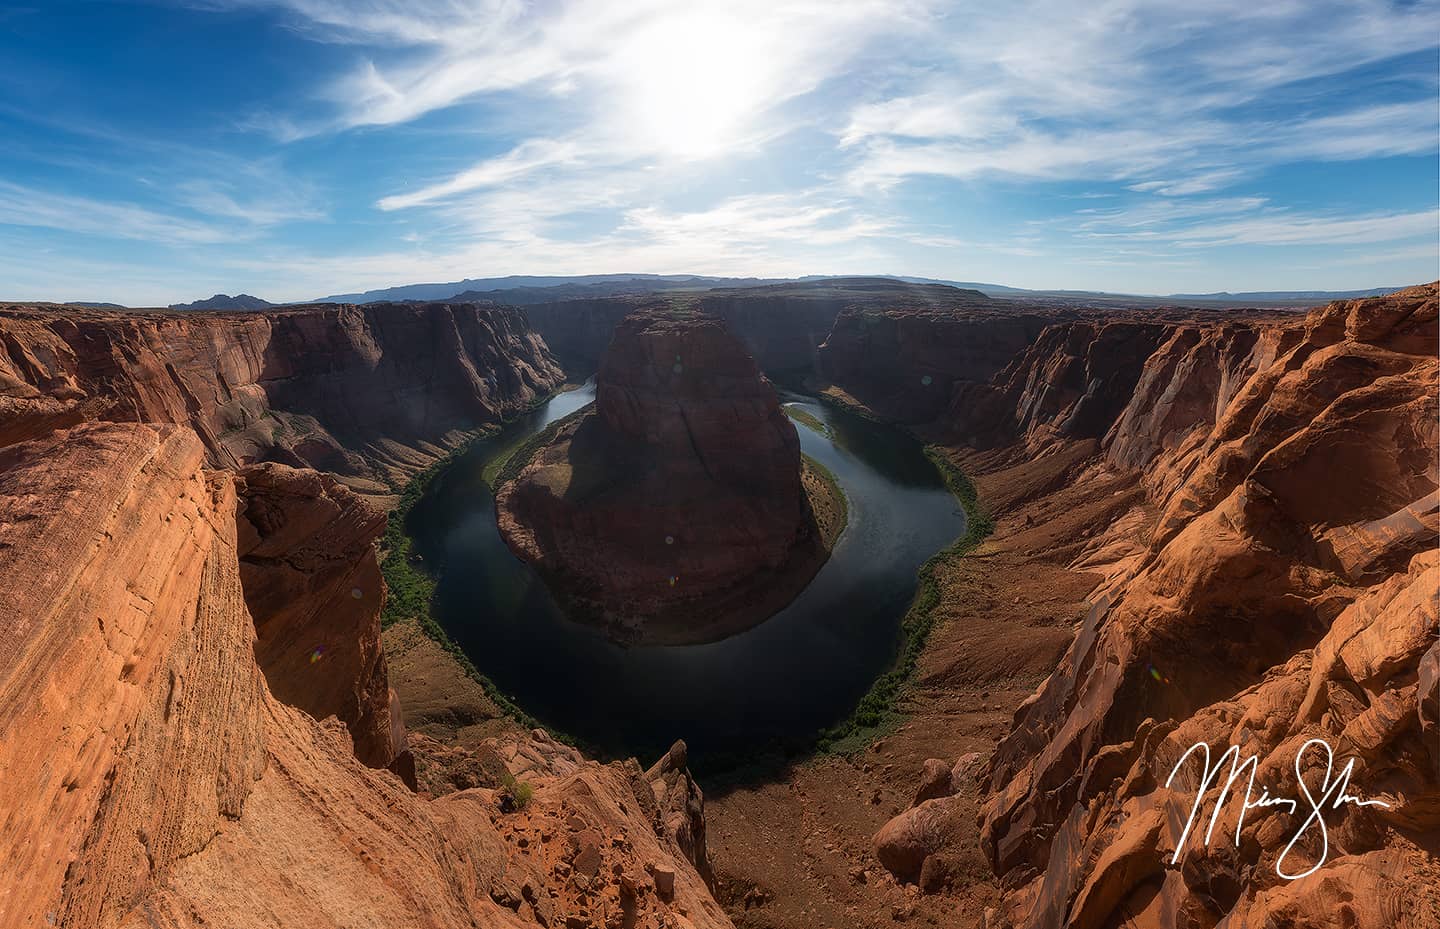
(803, 669)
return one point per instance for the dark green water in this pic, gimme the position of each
(802, 670)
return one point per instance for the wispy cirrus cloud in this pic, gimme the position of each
(522, 160)
(386, 140)
(1184, 98)
(726, 59)
(1290, 228)
(28, 206)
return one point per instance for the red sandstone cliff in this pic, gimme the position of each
(369, 392)
(675, 510)
(1274, 581)
(313, 588)
(781, 326)
(193, 698)
(906, 362)
(1286, 592)
(154, 779)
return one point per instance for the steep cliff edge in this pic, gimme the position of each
(195, 711)
(782, 326)
(154, 779)
(372, 393)
(674, 512)
(905, 362)
(313, 588)
(1274, 583)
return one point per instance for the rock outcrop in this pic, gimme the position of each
(906, 361)
(195, 712)
(674, 512)
(1285, 592)
(782, 326)
(371, 393)
(225, 302)
(154, 779)
(313, 588)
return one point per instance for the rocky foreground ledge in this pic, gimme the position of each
(675, 511)
(1249, 507)
(1216, 530)
(196, 722)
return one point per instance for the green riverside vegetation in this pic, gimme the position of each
(411, 590)
(808, 419)
(507, 465)
(837, 493)
(876, 713)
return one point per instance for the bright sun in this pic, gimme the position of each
(691, 82)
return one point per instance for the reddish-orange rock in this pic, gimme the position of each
(368, 392)
(153, 780)
(1286, 592)
(313, 587)
(674, 511)
(1282, 598)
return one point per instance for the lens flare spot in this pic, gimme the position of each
(317, 653)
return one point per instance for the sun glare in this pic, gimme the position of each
(692, 83)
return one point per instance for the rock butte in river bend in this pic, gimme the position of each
(673, 512)
(1209, 527)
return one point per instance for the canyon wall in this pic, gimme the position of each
(195, 713)
(780, 333)
(781, 326)
(1285, 591)
(577, 331)
(372, 393)
(313, 587)
(905, 363)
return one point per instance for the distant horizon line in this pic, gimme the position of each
(583, 280)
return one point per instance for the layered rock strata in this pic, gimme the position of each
(782, 326)
(674, 511)
(1283, 590)
(372, 393)
(195, 713)
(313, 588)
(154, 778)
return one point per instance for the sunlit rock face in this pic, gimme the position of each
(674, 510)
(371, 393)
(1282, 594)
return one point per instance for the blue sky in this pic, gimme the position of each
(162, 151)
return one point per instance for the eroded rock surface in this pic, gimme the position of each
(165, 765)
(313, 587)
(372, 392)
(1283, 591)
(674, 511)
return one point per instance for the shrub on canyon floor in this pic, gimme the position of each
(806, 418)
(514, 794)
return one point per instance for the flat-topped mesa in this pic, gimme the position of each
(674, 511)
